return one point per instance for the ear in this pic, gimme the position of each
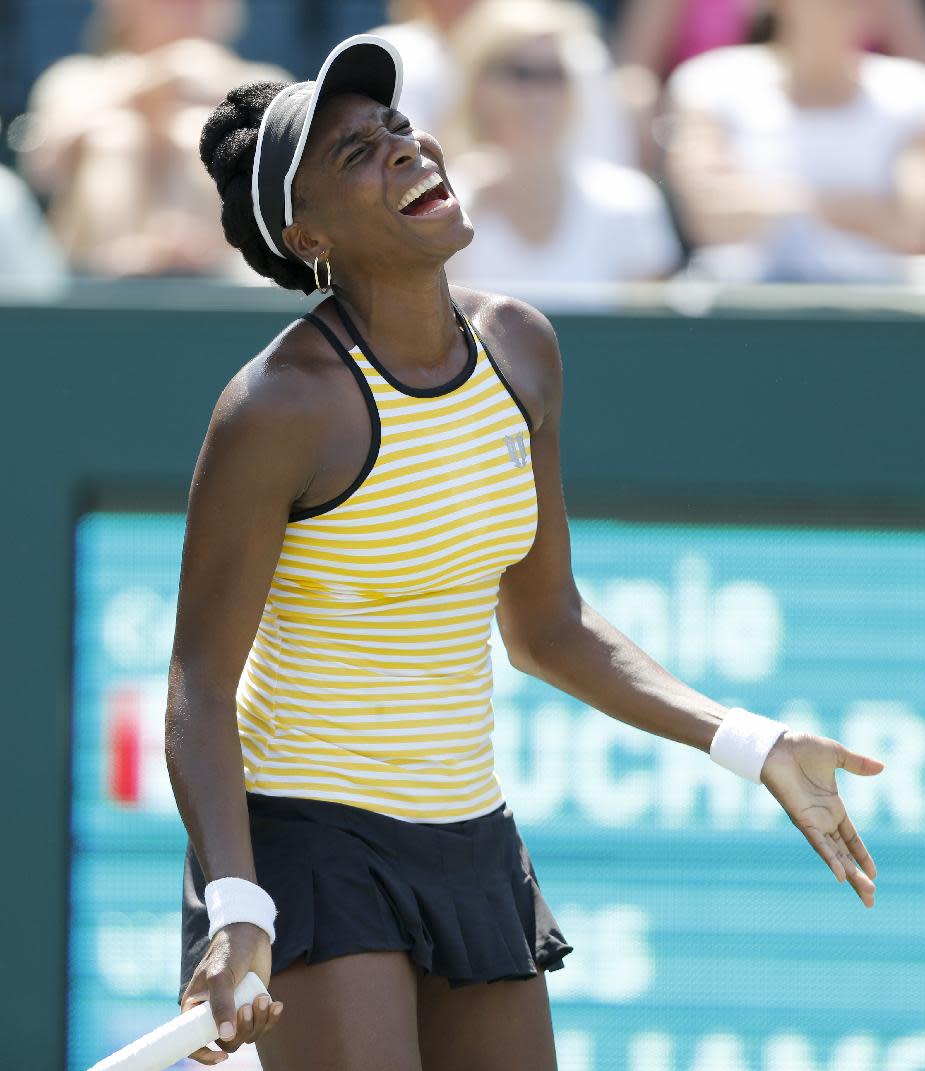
(305, 245)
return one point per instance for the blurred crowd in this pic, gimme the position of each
(730, 141)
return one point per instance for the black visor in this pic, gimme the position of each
(362, 64)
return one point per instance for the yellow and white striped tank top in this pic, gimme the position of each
(369, 679)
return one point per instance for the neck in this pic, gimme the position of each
(822, 71)
(384, 309)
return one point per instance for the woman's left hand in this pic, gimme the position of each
(800, 773)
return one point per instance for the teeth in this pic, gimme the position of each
(432, 180)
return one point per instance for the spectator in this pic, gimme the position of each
(421, 31)
(657, 35)
(653, 36)
(545, 219)
(802, 159)
(116, 138)
(31, 265)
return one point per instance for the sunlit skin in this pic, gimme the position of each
(291, 429)
(362, 159)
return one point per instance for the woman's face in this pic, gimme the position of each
(522, 97)
(353, 188)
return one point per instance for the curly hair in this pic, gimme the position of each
(226, 147)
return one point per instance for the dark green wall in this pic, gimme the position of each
(810, 415)
(786, 416)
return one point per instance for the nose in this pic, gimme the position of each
(405, 149)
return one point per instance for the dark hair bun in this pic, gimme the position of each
(226, 147)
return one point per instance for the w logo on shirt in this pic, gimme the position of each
(516, 448)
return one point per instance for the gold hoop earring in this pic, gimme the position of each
(326, 289)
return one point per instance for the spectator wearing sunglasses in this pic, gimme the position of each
(551, 224)
(423, 32)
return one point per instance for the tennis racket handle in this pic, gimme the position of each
(178, 1038)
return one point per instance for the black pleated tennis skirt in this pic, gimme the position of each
(462, 898)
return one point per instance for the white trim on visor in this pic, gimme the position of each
(255, 179)
(350, 42)
(357, 39)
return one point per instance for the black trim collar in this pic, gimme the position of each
(415, 392)
(375, 426)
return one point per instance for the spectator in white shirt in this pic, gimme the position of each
(802, 159)
(548, 220)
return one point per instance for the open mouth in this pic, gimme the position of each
(425, 197)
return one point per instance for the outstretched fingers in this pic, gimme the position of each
(846, 837)
(856, 847)
(858, 879)
(826, 849)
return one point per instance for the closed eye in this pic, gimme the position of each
(403, 127)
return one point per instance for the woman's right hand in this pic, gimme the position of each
(233, 951)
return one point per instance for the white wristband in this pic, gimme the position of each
(743, 740)
(231, 900)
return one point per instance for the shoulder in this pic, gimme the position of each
(522, 341)
(898, 83)
(509, 320)
(707, 79)
(280, 390)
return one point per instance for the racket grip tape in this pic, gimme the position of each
(178, 1038)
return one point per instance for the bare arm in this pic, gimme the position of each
(552, 633)
(254, 462)
(897, 221)
(717, 203)
(720, 204)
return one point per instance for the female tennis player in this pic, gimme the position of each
(372, 487)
